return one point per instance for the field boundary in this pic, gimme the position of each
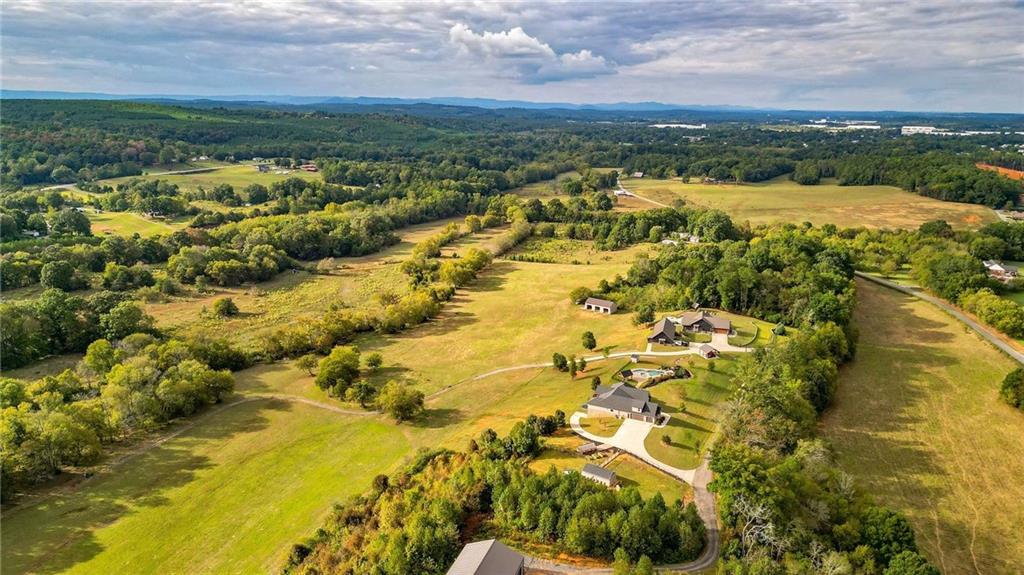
(980, 329)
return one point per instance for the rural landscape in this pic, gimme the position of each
(458, 335)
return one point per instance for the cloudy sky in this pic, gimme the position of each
(947, 55)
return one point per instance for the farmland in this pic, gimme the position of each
(917, 420)
(269, 468)
(237, 176)
(781, 200)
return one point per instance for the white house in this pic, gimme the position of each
(999, 270)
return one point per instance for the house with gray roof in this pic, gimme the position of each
(707, 352)
(664, 332)
(600, 475)
(622, 401)
(1000, 271)
(490, 557)
(702, 321)
(600, 305)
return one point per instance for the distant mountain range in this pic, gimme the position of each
(488, 107)
(486, 103)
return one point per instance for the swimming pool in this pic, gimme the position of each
(637, 374)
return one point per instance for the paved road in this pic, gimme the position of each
(630, 438)
(982, 330)
(704, 499)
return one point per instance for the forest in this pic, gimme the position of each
(68, 141)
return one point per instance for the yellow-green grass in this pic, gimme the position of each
(601, 426)
(52, 365)
(295, 296)
(190, 505)
(702, 396)
(515, 313)
(562, 250)
(226, 496)
(129, 223)
(781, 200)
(547, 189)
(917, 420)
(635, 473)
(560, 452)
(238, 176)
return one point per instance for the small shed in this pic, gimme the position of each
(707, 352)
(600, 475)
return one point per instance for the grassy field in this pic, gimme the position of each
(781, 200)
(233, 492)
(560, 453)
(128, 223)
(690, 428)
(292, 297)
(547, 189)
(562, 251)
(238, 176)
(917, 420)
(601, 426)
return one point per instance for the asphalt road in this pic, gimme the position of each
(982, 330)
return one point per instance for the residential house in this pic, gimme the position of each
(600, 475)
(999, 270)
(664, 332)
(600, 305)
(622, 402)
(263, 168)
(707, 352)
(489, 557)
(309, 167)
(701, 321)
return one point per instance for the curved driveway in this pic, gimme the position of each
(630, 438)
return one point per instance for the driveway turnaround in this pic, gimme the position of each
(630, 438)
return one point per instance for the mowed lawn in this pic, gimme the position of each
(238, 176)
(918, 421)
(781, 200)
(129, 223)
(694, 405)
(227, 496)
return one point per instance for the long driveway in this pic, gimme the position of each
(982, 330)
(630, 438)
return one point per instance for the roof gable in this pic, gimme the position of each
(490, 557)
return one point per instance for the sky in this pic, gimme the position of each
(937, 55)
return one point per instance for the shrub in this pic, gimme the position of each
(225, 307)
(1012, 390)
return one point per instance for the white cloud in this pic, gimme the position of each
(919, 54)
(514, 43)
(535, 61)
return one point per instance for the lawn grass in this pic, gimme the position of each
(560, 452)
(128, 223)
(238, 176)
(601, 426)
(227, 496)
(918, 422)
(561, 250)
(781, 200)
(702, 396)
